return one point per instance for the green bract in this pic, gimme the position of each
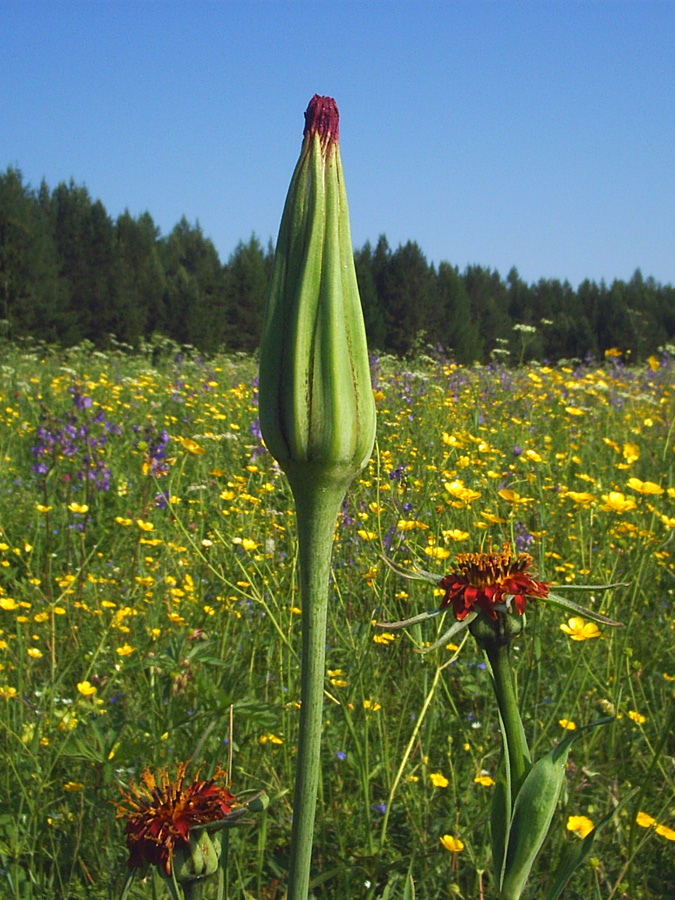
(317, 412)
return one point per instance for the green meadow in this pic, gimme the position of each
(149, 615)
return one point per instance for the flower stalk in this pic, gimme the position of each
(317, 413)
(488, 593)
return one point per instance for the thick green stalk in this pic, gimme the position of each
(514, 733)
(316, 513)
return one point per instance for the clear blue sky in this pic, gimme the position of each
(540, 135)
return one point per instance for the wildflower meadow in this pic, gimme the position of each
(150, 617)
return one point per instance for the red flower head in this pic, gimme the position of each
(160, 816)
(488, 580)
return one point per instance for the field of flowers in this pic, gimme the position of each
(149, 614)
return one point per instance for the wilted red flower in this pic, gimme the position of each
(160, 815)
(487, 580)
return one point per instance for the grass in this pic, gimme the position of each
(149, 598)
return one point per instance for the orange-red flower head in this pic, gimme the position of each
(490, 580)
(161, 814)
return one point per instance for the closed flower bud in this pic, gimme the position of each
(317, 411)
(199, 859)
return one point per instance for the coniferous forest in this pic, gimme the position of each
(69, 273)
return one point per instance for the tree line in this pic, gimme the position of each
(69, 273)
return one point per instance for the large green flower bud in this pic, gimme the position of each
(317, 412)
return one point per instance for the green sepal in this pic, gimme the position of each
(574, 854)
(420, 617)
(416, 574)
(571, 606)
(454, 629)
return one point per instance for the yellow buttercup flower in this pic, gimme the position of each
(86, 689)
(581, 497)
(644, 820)
(631, 452)
(580, 825)
(580, 630)
(437, 552)
(615, 501)
(644, 487)
(78, 508)
(439, 780)
(385, 638)
(454, 534)
(191, 446)
(568, 724)
(453, 844)
(484, 780)
(73, 786)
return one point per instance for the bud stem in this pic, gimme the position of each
(316, 514)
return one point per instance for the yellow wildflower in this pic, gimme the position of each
(437, 552)
(453, 844)
(454, 534)
(86, 689)
(631, 452)
(385, 638)
(439, 780)
(580, 825)
(615, 501)
(580, 630)
(191, 446)
(644, 820)
(644, 487)
(72, 786)
(484, 780)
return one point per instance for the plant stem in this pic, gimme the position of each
(316, 511)
(514, 733)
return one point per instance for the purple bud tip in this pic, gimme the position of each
(322, 116)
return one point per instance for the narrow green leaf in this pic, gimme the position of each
(500, 814)
(533, 810)
(128, 879)
(574, 854)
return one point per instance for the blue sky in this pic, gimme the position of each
(538, 135)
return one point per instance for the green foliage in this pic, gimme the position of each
(68, 273)
(176, 624)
